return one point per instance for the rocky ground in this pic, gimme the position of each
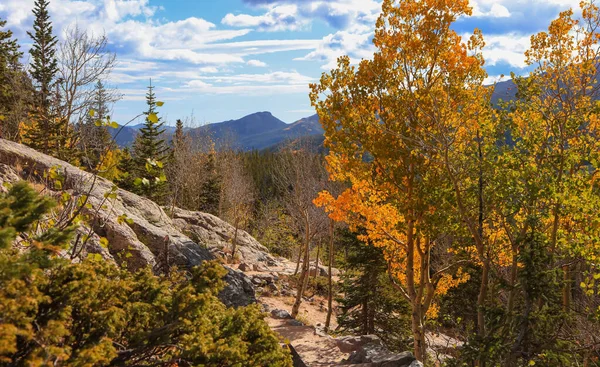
(306, 335)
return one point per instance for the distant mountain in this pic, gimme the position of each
(241, 133)
(505, 91)
(262, 130)
(305, 127)
(126, 136)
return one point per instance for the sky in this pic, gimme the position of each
(216, 60)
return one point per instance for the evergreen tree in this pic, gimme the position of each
(94, 139)
(150, 153)
(370, 304)
(179, 140)
(126, 167)
(11, 78)
(210, 191)
(47, 125)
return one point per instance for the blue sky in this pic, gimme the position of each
(223, 59)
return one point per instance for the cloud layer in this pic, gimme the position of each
(266, 47)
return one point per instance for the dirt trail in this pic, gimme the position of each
(315, 350)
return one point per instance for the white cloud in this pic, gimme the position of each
(293, 14)
(247, 90)
(507, 48)
(256, 63)
(133, 31)
(356, 45)
(277, 18)
(495, 11)
(250, 84)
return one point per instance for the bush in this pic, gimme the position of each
(53, 312)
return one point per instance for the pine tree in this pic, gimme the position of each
(94, 139)
(210, 192)
(150, 153)
(47, 126)
(370, 304)
(179, 140)
(11, 78)
(126, 166)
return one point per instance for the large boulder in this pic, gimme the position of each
(239, 290)
(217, 235)
(373, 352)
(348, 344)
(149, 236)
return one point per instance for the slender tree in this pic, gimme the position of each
(13, 84)
(94, 137)
(45, 129)
(150, 152)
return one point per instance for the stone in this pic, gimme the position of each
(348, 344)
(280, 314)
(244, 267)
(294, 323)
(265, 278)
(377, 354)
(257, 281)
(259, 267)
(216, 235)
(239, 290)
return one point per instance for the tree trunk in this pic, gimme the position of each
(317, 260)
(513, 283)
(482, 297)
(300, 252)
(566, 297)
(418, 333)
(303, 281)
(365, 316)
(330, 285)
(235, 236)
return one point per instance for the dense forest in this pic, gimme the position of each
(445, 212)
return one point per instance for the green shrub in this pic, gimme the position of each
(53, 312)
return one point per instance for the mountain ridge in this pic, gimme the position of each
(262, 130)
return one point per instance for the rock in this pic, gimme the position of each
(259, 267)
(265, 278)
(348, 344)
(239, 290)
(320, 331)
(244, 267)
(323, 271)
(151, 238)
(416, 363)
(257, 281)
(266, 307)
(378, 355)
(294, 323)
(280, 314)
(216, 235)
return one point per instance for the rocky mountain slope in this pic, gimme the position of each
(151, 238)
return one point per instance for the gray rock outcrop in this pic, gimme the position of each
(148, 236)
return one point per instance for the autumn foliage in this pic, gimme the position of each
(441, 179)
